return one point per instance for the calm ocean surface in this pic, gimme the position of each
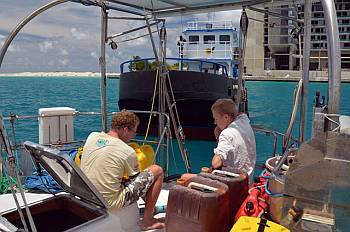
(269, 105)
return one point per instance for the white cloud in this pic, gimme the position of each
(169, 53)
(137, 42)
(78, 27)
(51, 63)
(113, 61)
(63, 61)
(97, 55)
(78, 34)
(64, 52)
(46, 46)
(11, 48)
(22, 61)
(232, 16)
(94, 55)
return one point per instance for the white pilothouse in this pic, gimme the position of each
(214, 41)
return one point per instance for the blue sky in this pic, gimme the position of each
(67, 37)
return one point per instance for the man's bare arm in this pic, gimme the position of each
(216, 162)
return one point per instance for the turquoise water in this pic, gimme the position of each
(269, 105)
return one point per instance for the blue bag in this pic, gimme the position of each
(43, 183)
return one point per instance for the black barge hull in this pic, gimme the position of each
(194, 92)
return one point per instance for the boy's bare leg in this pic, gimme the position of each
(149, 222)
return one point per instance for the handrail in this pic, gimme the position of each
(297, 95)
(195, 25)
(78, 113)
(178, 59)
(275, 134)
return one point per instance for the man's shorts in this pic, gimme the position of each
(138, 187)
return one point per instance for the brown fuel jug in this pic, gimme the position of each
(201, 206)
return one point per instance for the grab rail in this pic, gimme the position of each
(181, 61)
(275, 134)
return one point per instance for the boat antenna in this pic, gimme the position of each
(182, 26)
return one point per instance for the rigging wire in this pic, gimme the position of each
(12, 188)
(12, 121)
(164, 73)
(12, 170)
(134, 38)
(152, 106)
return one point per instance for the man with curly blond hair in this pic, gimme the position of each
(107, 158)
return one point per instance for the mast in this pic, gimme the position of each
(306, 65)
(242, 45)
(102, 62)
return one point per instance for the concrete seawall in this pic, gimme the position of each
(287, 75)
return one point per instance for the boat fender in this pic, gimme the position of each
(253, 205)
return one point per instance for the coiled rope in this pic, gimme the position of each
(5, 184)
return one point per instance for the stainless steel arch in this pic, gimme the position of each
(334, 60)
(15, 31)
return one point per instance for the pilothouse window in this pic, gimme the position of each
(209, 39)
(193, 39)
(224, 39)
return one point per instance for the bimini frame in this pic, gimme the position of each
(165, 99)
(149, 9)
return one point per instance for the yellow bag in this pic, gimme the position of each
(145, 155)
(77, 158)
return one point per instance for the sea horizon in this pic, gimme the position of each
(273, 75)
(55, 74)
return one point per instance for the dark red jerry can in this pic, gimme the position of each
(237, 182)
(202, 206)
